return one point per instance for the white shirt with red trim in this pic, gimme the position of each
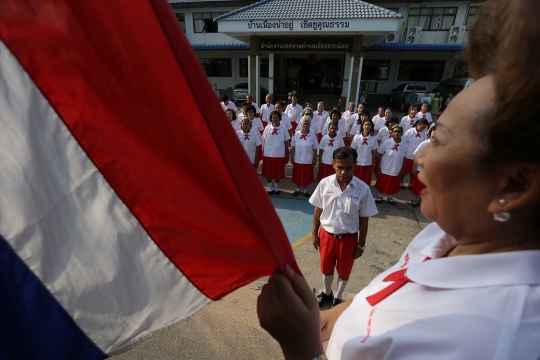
(320, 120)
(364, 146)
(407, 123)
(378, 122)
(341, 210)
(274, 140)
(257, 124)
(427, 115)
(230, 105)
(383, 135)
(342, 130)
(328, 145)
(353, 119)
(250, 141)
(304, 146)
(392, 159)
(294, 113)
(463, 307)
(257, 110)
(285, 121)
(418, 149)
(347, 114)
(235, 125)
(265, 112)
(413, 139)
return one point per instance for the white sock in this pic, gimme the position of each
(298, 189)
(328, 280)
(276, 186)
(340, 288)
(305, 191)
(380, 195)
(270, 186)
(389, 197)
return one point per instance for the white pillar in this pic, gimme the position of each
(350, 81)
(359, 78)
(346, 66)
(257, 94)
(271, 74)
(249, 74)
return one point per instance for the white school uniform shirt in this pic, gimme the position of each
(321, 119)
(328, 145)
(364, 146)
(342, 130)
(240, 117)
(427, 115)
(303, 147)
(418, 149)
(351, 120)
(378, 122)
(347, 114)
(235, 125)
(341, 210)
(257, 124)
(274, 140)
(356, 129)
(250, 142)
(285, 121)
(257, 110)
(230, 105)
(265, 112)
(413, 139)
(294, 113)
(392, 160)
(461, 307)
(407, 123)
(383, 135)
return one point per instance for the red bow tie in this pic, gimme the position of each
(396, 146)
(303, 137)
(417, 134)
(274, 132)
(320, 114)
(423, 116)
(246, 136)
(364, 141)
(398, 277)
(331, 142)
(412, 122)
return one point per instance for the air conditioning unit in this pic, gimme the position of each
(413, 35)
(456, 35)
(392, 38)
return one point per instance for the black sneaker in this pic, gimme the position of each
(322, 298)
(295, 193)
(271, 192)
(336, 302)
(306, 194)
(277, 192)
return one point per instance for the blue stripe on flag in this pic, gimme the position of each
(32, 323)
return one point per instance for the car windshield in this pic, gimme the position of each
(418, 87)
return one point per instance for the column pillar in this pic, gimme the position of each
(346, 91)
(359, 78)
(257, 95)
(271, 74)
(253, 68)
(356, 59)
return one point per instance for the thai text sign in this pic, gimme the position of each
(306, 44)
(302, 25)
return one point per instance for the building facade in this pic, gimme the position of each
(387, 43)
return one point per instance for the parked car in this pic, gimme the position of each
(398, 96)
(240, 92)
(452, 85)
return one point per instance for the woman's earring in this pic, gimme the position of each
(504, 216)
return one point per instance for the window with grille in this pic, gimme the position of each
(472, 13)
(220, 67)
(203, 22)
(182, 20)
(421, 70)
(431, 18)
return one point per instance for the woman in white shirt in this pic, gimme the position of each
(275, 142)
(384, 134)
(250, 140)
(413, 137)
(231, 115)
(416, 185)
(407, 122)
(365, 145)
(303, 156)
(391, 155)
(468, 285)
(327, 145)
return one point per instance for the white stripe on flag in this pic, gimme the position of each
(66, 223)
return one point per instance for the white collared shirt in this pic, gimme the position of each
(294, 113)
(235, 125)
(413, 139)
(250, 143)
(378, 122)
(463, 307)
(257, 110)
(321, 120)
(230, 105)
(342, 130)
(392, 160)
(364, 146)
(274, 143)
(328, 145)
(257, 124)
(407, 123)
(265, 112)
(285, 121)
(303, 148)
(383, 135)
(341, 211)
(353, 119)
(427, 115)
(418, 149)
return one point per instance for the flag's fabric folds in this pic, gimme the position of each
(126, 201)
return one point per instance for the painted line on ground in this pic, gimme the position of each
(301, 241)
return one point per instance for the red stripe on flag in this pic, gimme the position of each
(125, 81)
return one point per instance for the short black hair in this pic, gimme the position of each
(332, 123)
(245, 103)
(335, 112)
(224, 98)
(345, 152)
(393, 119)
(421, 121)
(251, 107)
(274, 112)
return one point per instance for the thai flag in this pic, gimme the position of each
(125, 206)
(439, 20)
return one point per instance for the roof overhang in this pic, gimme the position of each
(372, 29)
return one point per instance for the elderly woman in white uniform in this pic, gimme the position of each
(467, 286)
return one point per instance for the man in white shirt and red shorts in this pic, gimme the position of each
(343, 205)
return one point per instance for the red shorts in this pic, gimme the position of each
(407, 168)
(337, 253)
(324, 171)
(363, 173)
